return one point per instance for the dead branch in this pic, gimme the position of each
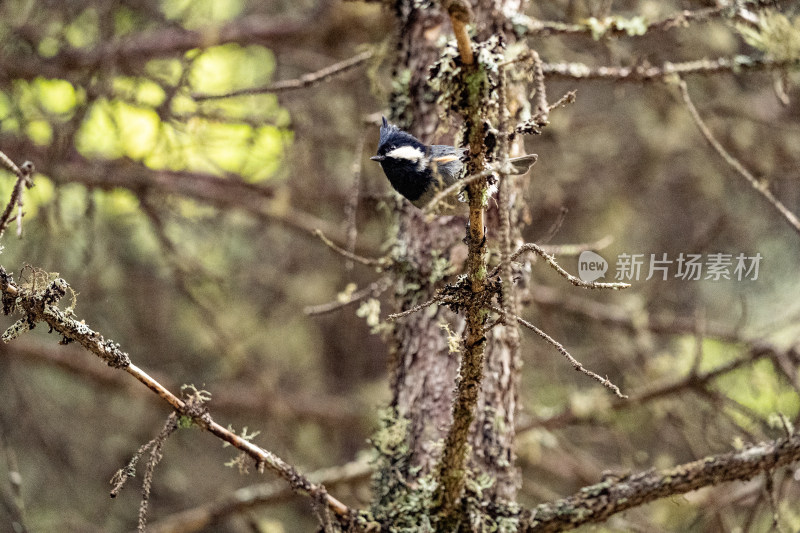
(373, 290)
(531, 247)
(254, 496)
(692, 381)
(41, 307)
(598, 502)
(303, 82)
(563, 351)
(379, 262)
(760, 186)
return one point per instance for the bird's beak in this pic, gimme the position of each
(378, 158)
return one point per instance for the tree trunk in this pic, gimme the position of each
(423, 366)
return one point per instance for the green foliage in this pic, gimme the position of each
(776, 35)
(196, 13)
(83, 30)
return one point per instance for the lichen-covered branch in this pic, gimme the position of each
(597, 503)
(640, 73)
(40, 305)
(451, 470)
(615, 26)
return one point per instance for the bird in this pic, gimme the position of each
(419, 171)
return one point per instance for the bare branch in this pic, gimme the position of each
(691, 381)
(619, 317)
(380, 262)
(576, 249)
(373, 290)
(415, 309)
(255, 496)
(558, 346)
(531, 247)
(303, 82)
(761, 187)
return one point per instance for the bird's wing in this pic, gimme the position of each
(441, 153)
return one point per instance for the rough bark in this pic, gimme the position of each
(423, 367)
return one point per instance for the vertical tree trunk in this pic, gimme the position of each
(423, 367)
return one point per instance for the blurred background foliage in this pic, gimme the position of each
(184, 225)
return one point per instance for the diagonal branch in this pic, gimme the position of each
(598, 502)
(531, 247)
(255, 496)
(692, 381)
(41, 307)
(303, 82)
(759, 186)
(563, 351)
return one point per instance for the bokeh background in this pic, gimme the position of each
(185, 227)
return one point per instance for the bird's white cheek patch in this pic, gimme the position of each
(406, 152)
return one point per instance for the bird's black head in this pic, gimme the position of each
(404, 159)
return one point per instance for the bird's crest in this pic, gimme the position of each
(391, 135)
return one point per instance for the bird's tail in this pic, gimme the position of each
(522, 164)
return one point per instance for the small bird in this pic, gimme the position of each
(418, 171)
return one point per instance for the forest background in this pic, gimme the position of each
(202, 183)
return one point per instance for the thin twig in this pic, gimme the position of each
(759, 186)
(576, 249)
(554, 228)
(558, 346)
(369, 261)
(542, 109)
(531, 247)
(416, 308)
(304, 81)
(208, 514)
(374, 290)
(453, 187)
(24, 175)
